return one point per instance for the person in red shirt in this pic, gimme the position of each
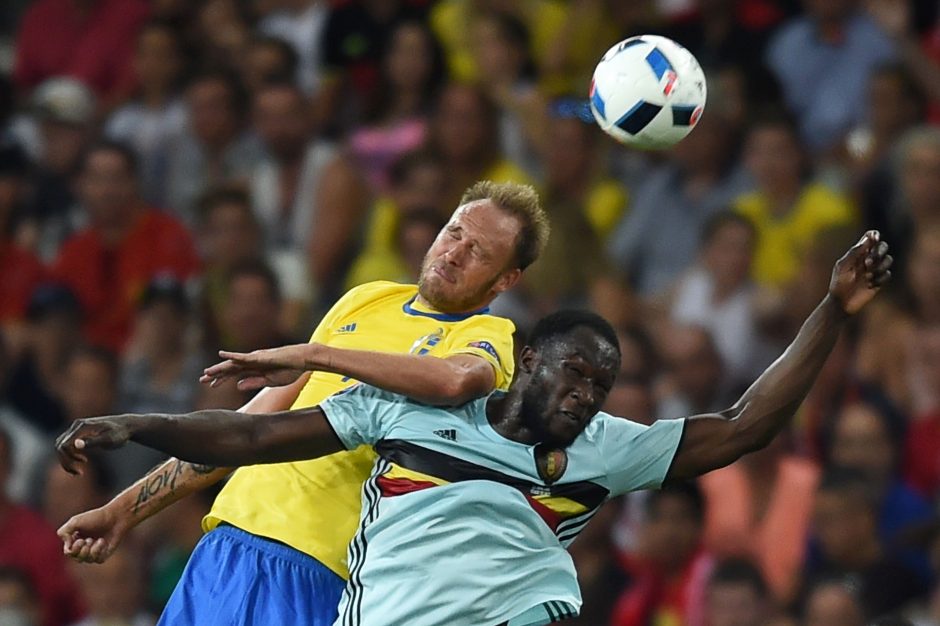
(92, 40)
(670, 569)
(125, 246)
(922, 463)
(30, 544)
(22, 271)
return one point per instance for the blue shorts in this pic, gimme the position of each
(234, 578)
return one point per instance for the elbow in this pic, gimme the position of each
(460, 387)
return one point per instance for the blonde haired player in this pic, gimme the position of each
(275, 547)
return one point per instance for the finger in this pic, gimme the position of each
(881, 279)
(251, 383)
(99, 550)
(84, 551)
(235, 356)
(223, 368)
(70, 459)
(882, 249)
(885, 264)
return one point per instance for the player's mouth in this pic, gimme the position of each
(440, 272)
(574, 417)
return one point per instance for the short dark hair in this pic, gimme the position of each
(288, 55)
(723, 218)
(215, 197)
(257, 269)
(737, 571)
(122, 149)
(100, 354)
(687, 490)
(774, 116)
(522, 202)
(563, 322)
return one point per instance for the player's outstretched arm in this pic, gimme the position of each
(92, 536)
(713, 441)
(212, 437)
(448, 381)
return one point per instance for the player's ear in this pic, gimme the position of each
(528, 359)
(507, 280)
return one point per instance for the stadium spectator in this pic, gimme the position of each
(464, 133)
(64, 494)
(353, 38)
(22, 270)
(395, 119)
(788, 211)
(29, 544)
(697, 380)
(760, 508)
(89, 387)
(252, 309)
(155, 114)
(845, 520)
(115, 591)
(572, 195)
(502, 53)
(52, 332)
(891, 331)
(64, 110)
(717, 294)
(921, 462)
(29, 445)
(416, 184)
(671, 569)
(868, 436)
(657, 239)
(125, 244)
(228, 234)
(823, 60)
(214, 147)
(91, 40)
(161, 369)
(268, 60)
(300, 24)
(222, 29)
(834, 603)
(737, 595)
(19, 605)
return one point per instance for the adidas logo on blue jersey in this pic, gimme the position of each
(448, 433)
(348, 328)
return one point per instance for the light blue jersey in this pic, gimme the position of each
(458, 527)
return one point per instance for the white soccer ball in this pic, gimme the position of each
(648, 92)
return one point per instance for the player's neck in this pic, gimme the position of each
(504, 413)
(423, 303)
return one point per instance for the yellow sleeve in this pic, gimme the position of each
(489, 338)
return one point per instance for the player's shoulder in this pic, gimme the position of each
(376, 292)
(488, 321)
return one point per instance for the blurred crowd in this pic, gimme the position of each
(182, 176)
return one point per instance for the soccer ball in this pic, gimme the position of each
(648, 92)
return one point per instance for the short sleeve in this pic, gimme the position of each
(638, 456)
(349, 302)
(362, 414)
(490, 339)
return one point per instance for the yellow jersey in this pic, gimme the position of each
(782, 241)
(313, 506)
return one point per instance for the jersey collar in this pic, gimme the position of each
(409, 308)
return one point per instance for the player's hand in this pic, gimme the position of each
(861, 273)
(93, 536)
(261, 368)
(112, 431)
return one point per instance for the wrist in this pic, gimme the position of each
(834, 307)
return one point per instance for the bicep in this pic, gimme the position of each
(708, 443)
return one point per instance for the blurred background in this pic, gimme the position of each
(181, 176)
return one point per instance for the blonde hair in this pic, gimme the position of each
(522, 202)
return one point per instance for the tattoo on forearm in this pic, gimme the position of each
(164, 483)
